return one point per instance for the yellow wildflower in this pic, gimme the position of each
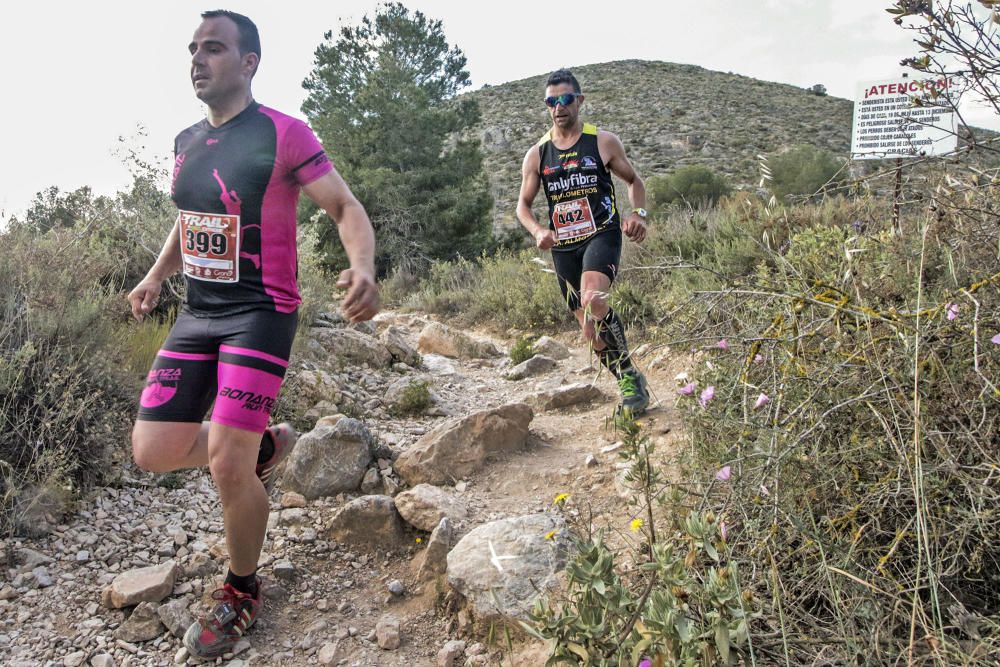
(636, 524)
(560, 499)
(419, 540)
(549, 535)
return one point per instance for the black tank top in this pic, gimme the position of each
(578, 189)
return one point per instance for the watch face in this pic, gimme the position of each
(641, 212)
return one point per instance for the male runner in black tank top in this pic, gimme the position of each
(573, 164)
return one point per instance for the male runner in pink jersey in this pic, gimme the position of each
(236, 180)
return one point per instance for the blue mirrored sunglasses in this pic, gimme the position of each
(565, 99)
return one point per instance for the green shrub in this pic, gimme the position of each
(803, 170)
(521, 350)
(693, 186)
(414, 399)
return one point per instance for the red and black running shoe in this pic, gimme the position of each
(212, 636)
(283, 436)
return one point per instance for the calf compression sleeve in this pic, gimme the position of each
(615, 356)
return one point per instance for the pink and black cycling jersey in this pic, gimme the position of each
(237, 187)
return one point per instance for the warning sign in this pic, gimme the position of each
(888, 125)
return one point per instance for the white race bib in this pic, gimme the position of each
(210, 246)
(573, 219)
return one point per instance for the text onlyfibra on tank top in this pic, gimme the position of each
(578, 189)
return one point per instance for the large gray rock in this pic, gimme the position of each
(536, 365)
(550, 347)
(564, 397)
(394, 340)
(441, 339)
(369, 522)
(144, 624)
(352, 347)
(425, 505)
(500, 567)
(329, 459)
(146, 584)
(460, 446)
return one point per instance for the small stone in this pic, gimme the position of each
(328, 653)
(102, 660)
(290, 499)
(371, 482)
(82, 556)
(74, 659)
(590, 461)
(460, 487)
(42, 577)
(396, 587)
(387, 633)
(284, 569)
(450, 652)
(181, 656)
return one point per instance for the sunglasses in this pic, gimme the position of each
(565, 99)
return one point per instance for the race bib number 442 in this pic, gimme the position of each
(573, 219)
(210, 246)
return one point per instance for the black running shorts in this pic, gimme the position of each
(238, 361)
(602, 253)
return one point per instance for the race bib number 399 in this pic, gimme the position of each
(573, 219)
(210, 246)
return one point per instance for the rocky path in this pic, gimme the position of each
(331, 601)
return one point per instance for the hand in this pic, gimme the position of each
(635, 228)
(361, 302)
(545, 238)
(144, 297)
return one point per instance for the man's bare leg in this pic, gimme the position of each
(232, 460)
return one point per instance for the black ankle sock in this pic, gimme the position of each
(615, 356)
(247, 584)
(266, 448)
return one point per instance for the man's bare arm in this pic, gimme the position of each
(611, 147)
(146, 294)
(530, 182)
(331, 193)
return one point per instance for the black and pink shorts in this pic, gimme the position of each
(237, 361)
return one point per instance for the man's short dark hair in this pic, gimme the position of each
(249, 37)
(563, 76)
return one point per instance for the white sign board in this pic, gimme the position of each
(888, 125)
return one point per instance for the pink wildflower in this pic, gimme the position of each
(687, 389)
(758, 359)
(952, 309)
(707, 395)
(723, 345)
(761, 401)
(725, 472)
(995, 340)
(646, 662)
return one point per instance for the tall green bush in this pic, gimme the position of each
(692, 186)
(803, 170)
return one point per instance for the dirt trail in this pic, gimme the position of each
(339, 594)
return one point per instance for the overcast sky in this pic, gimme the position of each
(77, 76)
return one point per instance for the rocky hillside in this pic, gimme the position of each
(667, 115)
